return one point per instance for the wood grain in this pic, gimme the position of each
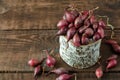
(28, 26)
(44, 14)
(18, 46)
(80, 76)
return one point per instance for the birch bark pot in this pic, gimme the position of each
(79, 57)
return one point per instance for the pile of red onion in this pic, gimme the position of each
(82, 27)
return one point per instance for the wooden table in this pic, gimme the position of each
(29, 26)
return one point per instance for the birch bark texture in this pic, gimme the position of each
(81, 57)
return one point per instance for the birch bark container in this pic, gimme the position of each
(79, 57)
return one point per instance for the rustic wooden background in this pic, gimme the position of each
(29, 26)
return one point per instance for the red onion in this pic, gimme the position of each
(33, 62)
(114, 44)
(95, 26)
(112, 57)
(37, 71)
(99, 72)
(59, 71)
(50, 61)
(87, 23)
(69, 16)
(116, 48)
(84, 39)
(64, 77)
(111, 42)
(62, 23)
(76, 40)
(70, 33)
(62, 31)
(82, 29)
(92, 19)
(89, 32)
(85, 14)
(101, 32)
(75, 13)
(112, 63)
(71, 25)
(102, 24)
(96, 36)
(78, 22)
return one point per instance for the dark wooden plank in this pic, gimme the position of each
(44, 14)
(18, 46)
(80, 76)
